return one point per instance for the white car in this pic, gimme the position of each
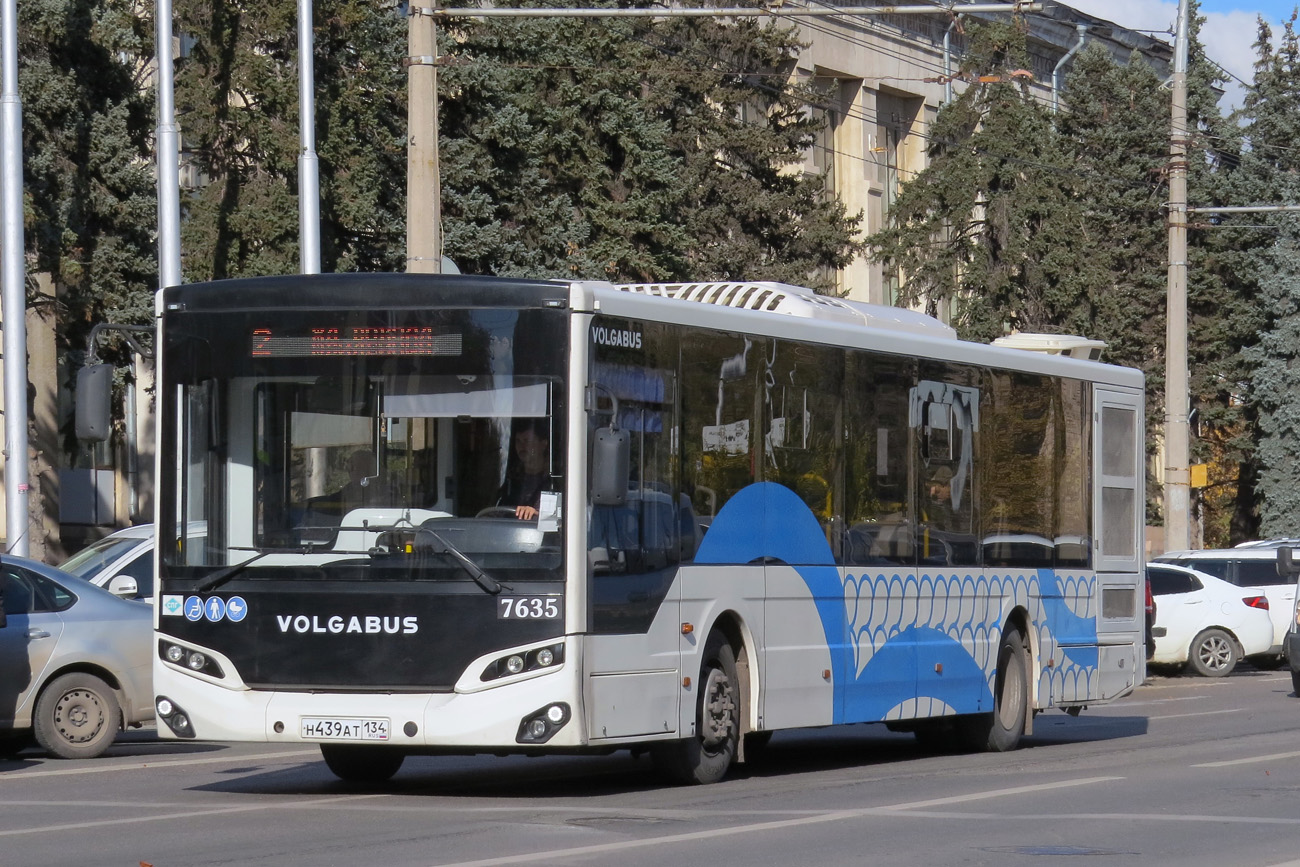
(122, 562)
(1253, 569)
(1206, 623)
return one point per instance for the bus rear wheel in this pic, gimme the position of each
(1000, 731)
(706, 757)
(362, 764)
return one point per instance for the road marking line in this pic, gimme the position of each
(1198, 713)
(980, 796)
(1249, 761)
(1105, 817)
(209, 811)
(1159, 701)
(1186, 685)
(840, 815)
(139, 766)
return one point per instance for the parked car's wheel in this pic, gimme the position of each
(77, 716)
(1213, 653)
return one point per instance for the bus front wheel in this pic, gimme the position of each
(706, 757)
(1000, 731)
(362, 764)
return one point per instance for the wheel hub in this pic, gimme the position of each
(79, 716)
(1215, 653)
(719, 707)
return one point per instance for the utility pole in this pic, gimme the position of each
(423, 184)
(1177, 438)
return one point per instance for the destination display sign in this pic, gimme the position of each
(361, 340)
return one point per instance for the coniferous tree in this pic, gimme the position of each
(989, 224)
(632, 151)
(1224, 314)
(89, 192)
(1270, 173)
(1116, 126)
(574, 148)
(237, 99)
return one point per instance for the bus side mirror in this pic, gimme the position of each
(1286, 562)
(610, 467)
(94, 411)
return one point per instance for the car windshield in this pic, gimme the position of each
(91, 560)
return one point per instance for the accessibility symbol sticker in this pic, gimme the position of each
(236, 609)
(214, 609)
(193, 608)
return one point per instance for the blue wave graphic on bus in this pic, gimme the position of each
(1069, 629)
(767, 520)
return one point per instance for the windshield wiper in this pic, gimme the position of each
(221, 576)
(435, 544)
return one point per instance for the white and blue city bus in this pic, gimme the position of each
(753, 508)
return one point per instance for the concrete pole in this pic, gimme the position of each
(308, 165)
(169, 152)
(423, 184)
(1177, 437)
(14, 307)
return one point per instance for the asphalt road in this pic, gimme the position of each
(1186, 771)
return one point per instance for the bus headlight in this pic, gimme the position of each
(522, 663)
(194, 660)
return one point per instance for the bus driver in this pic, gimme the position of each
(528, 470)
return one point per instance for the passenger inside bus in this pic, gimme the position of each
(528, 469)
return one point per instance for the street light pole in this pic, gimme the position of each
(1177, 437)
(14, 307)
(308, 164)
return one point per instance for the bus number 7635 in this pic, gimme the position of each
(528, 608)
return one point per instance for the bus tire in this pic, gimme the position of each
(77, 716)
(706, 757)
(1000, 731)
(362, 764)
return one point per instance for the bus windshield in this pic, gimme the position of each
(400, 444)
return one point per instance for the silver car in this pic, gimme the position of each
(75, 661)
